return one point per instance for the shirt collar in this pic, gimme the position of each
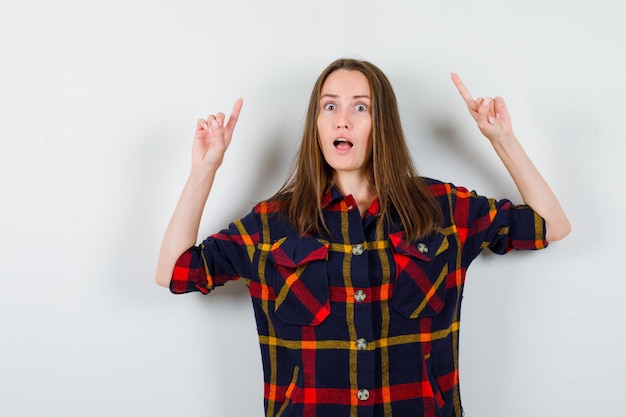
(331, 195)
(332, 199)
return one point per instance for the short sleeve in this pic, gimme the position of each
(190, 273)
(221, 257)
(481, 222)
(516, 227)
(498, 225)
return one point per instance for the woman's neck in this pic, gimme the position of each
(359, 187)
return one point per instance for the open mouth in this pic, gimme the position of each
(342, 143)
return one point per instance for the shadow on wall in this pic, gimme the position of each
(461, 151)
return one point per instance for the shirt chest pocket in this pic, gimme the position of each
(421, 270)
(300, 280)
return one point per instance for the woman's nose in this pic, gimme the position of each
(343, 121)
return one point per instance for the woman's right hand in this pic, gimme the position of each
(212, 138)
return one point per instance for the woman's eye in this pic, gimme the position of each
(329, 106)
(361, 107)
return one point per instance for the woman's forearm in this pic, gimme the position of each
(182, 230)
(533, 188)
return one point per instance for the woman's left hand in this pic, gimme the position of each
(490, 114)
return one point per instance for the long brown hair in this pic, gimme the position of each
(402, 193)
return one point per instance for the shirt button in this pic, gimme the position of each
(361, 344)
(422, 247)
(357, 250)
(359, 296)
(363, 394)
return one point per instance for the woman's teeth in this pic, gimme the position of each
(342, 143)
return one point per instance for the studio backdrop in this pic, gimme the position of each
(98, 105)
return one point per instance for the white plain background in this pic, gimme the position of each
(98, 102)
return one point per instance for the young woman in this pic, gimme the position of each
(356, 266)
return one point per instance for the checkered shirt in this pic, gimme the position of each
(354, 326)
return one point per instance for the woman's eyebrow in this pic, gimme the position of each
(358, 96)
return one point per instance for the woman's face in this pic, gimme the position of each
(344, 122)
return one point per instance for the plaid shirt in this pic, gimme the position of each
(354, 326)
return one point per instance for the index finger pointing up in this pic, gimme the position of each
(472, 104)
(463, 90)
(234, 115)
